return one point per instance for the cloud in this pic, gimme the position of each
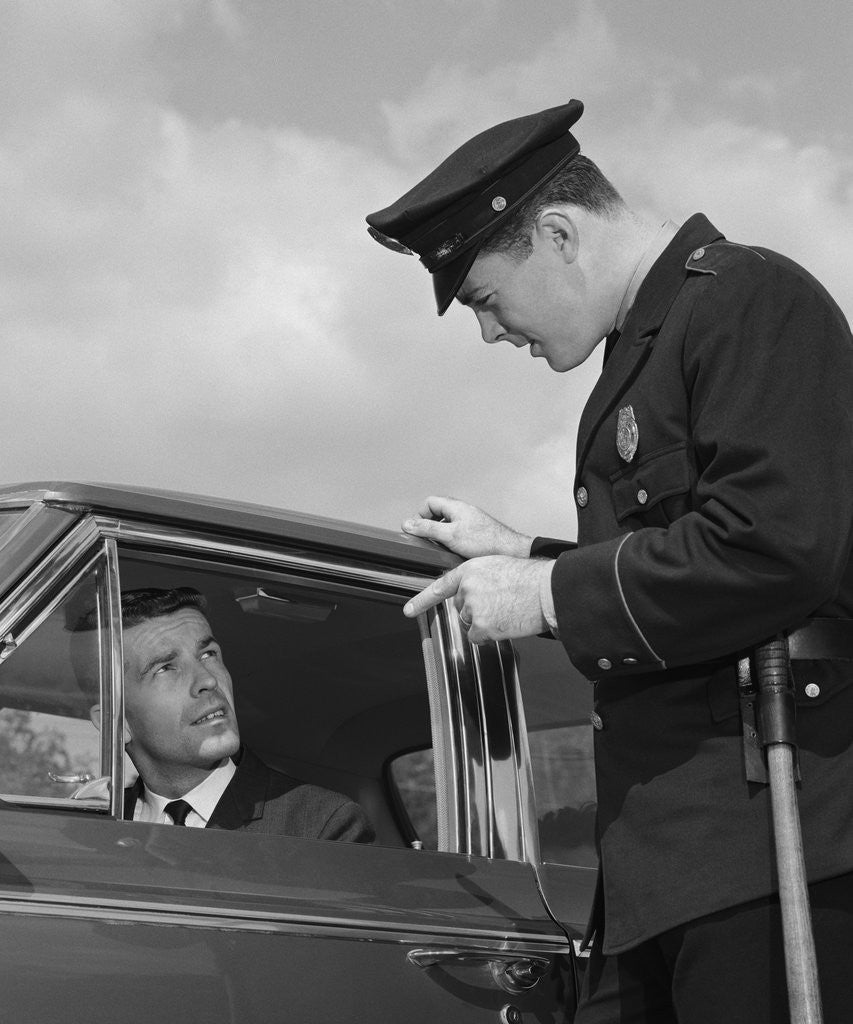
(196, 304)
(672, 147)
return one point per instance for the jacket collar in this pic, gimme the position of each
(131, 795)
(244, 798)
(626, 354)
(666, 276)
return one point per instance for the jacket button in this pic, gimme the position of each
(604, 663)
(582, 497)
(698, 254)
(642, 496)
(597, 722)
(629, 661)
(812, 690)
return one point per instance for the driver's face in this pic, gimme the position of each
(179, 702)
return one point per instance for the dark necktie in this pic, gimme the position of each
(178, 811)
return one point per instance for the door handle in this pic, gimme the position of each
(514, 972)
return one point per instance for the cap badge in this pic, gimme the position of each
(498, 204)
(446, 248)
(627, 433)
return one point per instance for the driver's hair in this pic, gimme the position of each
(147, 603)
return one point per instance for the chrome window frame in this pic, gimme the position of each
(73, 556)
(515, 829)
(469, 774)
(463, 770)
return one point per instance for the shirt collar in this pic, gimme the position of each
(666, 232)
(203, 798)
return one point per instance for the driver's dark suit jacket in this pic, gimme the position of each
(731, 522)
(262, 800)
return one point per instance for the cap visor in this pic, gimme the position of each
(447, 280)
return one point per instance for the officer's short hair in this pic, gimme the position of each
(580, 183)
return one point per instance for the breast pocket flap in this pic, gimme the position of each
(637, 489)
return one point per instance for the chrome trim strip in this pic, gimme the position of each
(62, 803)
(467, 724)
(527, 815)
(22, 499)
(112, 662)
(444, 746)
(488, 777)
(192, 916)
(200, 543)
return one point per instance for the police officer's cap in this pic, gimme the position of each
(448, 216)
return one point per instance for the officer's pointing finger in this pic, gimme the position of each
(444, 587)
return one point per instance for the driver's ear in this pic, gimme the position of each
(95, 717)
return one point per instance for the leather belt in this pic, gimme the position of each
(817, 640)
(822, 638)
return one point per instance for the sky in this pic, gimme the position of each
(189, 298)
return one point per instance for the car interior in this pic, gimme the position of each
(328, 676)
(330, 687)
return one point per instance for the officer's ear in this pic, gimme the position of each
(556, 228)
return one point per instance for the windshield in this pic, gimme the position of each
(8, 518)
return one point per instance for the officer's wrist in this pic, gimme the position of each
(522, 545)
(546, 597)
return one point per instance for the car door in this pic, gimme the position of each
(559, 724)
(103, 918)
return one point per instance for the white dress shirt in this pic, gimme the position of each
(203, 798)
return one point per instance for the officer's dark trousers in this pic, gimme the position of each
(727, 968)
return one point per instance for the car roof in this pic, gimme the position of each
(375, 544)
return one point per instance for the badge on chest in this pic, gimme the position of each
(627, 433)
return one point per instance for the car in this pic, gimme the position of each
(473, 763)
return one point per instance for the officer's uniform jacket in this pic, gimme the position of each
(731, 521)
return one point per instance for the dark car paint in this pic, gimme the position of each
(102, 919)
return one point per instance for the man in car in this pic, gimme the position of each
(714, 491)
(182, 735)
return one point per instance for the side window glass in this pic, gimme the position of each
(49, 681)
(557, 705)
(411, 781)
(328, 678)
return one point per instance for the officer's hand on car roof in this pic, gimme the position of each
(466, 530)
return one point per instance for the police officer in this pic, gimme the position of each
(714, 492)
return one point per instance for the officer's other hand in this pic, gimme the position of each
(466, 530)
(498, 597)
